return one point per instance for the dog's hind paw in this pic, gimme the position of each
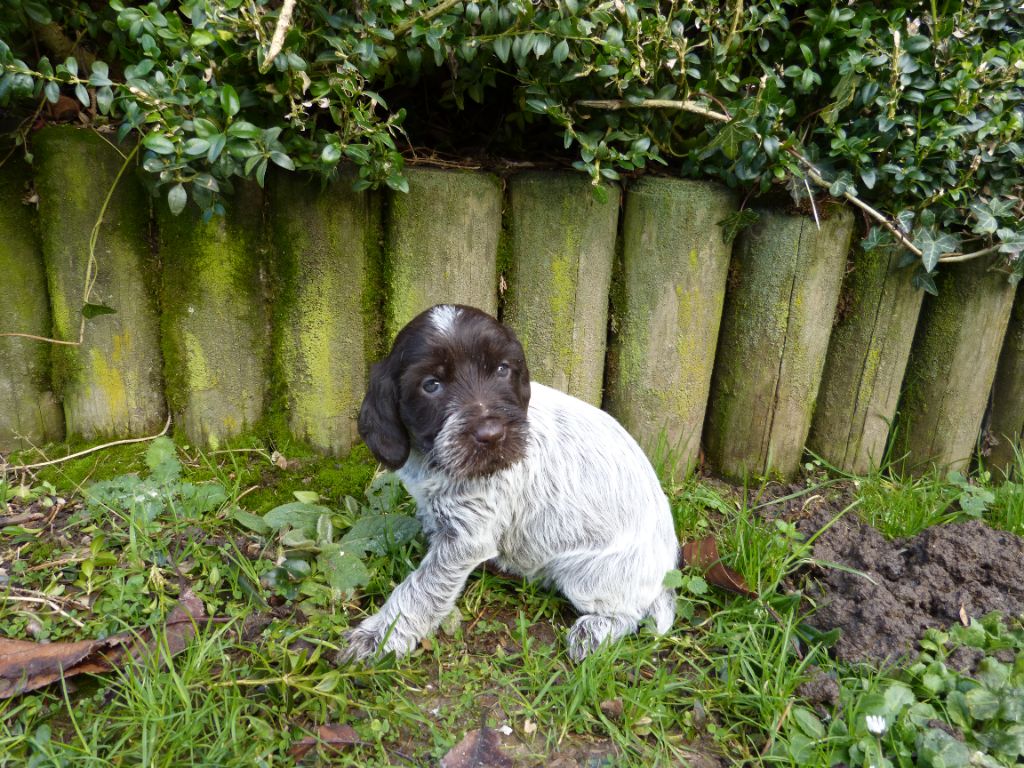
(372, 639)
(591, 630)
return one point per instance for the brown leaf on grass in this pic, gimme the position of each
(704, 556)
(479, 749)
(26, 666)
(334, 736)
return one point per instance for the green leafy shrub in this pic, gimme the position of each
(930, 715)
(917, 108)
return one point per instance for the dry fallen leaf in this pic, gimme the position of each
(26, 666)
(964, 618)
(479, 749)
(612, 709)
(704, 556)
(334, 736)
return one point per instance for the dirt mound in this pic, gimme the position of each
(916, 583)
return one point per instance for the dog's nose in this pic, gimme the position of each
(489, 432)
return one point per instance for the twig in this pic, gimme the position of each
(955, 257)
(91, 269)
(777, 727)
(437, 10)
(5, 467)
(48, 603)
(284, 21)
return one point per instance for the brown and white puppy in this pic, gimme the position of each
(514, 472)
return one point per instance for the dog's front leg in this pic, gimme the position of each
(420, 603)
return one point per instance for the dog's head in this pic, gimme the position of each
(456, 388)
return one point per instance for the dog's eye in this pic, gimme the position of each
(502, 370)
(431, 385)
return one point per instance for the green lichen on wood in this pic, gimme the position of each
(952, 366)
(562, 242)
(1006, 425)
(325, 263)
(215, 321)
(784, 284)
(29, 411)
(442, 243)
(866, 360)
(111, 386)
(667, 311)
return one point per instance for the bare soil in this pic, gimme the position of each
(944, 575)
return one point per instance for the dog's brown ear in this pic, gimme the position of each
(380, 425)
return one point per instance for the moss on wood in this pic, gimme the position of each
(216, 328)
(952, 366)
(867, 357)
(29, 411)
(784, 284)
(667, 311)
(562, 249)
(1006, 425)
(442, 243)
(111, 385)
(326, 324)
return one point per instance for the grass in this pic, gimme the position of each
(726, 683)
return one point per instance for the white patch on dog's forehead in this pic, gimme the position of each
(443, 318)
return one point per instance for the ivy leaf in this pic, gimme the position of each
(985, 222)
(89, 311)
(924, 281)
(934, 245)
(736, 222)
(842, 185)
(729, 139)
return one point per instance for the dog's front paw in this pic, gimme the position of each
(372, 639)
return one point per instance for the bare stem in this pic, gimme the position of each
(284, 21)
(5, 467)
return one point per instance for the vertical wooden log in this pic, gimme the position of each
(563, 246)
(1006, 425)
(784, 284)
(952, 366)
(442, 242)
(111, 385)
(326, 328)
(667, 309)
(29, 412)
(867, 356)
(215, 322)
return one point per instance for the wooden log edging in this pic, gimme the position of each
(216, 327)
(1006, 425)
(867, 357)
(952, 366)
(29, 411)
(562, 249)
(783, 286)
(441, 242)
(110, 385)
(667, 309)
(326, 328)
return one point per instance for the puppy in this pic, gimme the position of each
(514, 472)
